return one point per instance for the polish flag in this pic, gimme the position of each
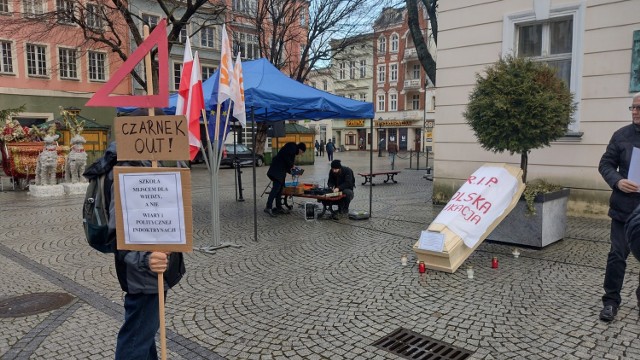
(185, 79)
(239, 111)
(195, 105)
(225, 83)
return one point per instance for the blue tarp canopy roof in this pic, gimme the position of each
(275, 96)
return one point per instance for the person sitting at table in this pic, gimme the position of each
(281, 164)
(341, 179)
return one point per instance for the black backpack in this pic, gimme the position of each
(95, 209)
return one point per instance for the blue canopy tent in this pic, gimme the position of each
(272, 96)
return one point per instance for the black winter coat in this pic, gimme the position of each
(614, 166)
(283, 162)
(343, 180)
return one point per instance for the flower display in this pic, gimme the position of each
(12, 131)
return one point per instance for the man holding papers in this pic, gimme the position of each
(615, 167)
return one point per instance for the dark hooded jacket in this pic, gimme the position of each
(614, 166)
(342, 180)
(132, 267)
(283, 162)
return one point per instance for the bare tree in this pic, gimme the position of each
(314, 26)
(426, 58)
(101, 23)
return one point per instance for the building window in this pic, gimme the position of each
(382, 76)
(415, 102)
(352, 96)
(247, 45)
(381, 102)
(150, 20)
(363, 96)
(207, 37)
(343, 71)
(382, 45)
(184, 36)
(64, 11)
(94, 17)
(350, 139)
(4, 6)
(97, 66)
(68, 63)
(207, 71)
(314, 85)
(555, 40)
(394, 43)
(325, 85)
(363, 68)
(416, 71)
(36, 60)
(548, 42)
(393, 102)
(177, 75)
(33, 8)
(6, 61)
(352, 70)
(393, 72)
(244, 6)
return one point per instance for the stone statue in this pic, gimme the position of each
(47, 162)
(76, 160)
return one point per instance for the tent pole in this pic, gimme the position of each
(371, 167)
(255, 193)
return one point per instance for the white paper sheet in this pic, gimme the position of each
(431, 241)
(634, 166)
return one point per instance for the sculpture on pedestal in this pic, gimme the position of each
(47, 162)
(76, 160)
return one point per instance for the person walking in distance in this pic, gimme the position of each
(614, 168)
(330, 149)
(322, 145)
(392, 148)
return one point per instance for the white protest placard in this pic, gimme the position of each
(153, 209)
(634, 166)
(481, 200)
(431, 241)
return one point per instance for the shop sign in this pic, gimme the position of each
(355, 123)
(394, 123)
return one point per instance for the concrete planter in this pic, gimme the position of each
(544, 228)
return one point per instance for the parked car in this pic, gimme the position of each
(245, 156)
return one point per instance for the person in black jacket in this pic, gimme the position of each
(614, 168)
(281, 165)
(341, 179)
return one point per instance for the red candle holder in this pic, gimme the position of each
(422, 268)
(494, 262)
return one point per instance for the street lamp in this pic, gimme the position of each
(380, 137)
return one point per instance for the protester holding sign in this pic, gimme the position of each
(137, 274)
(614, 168)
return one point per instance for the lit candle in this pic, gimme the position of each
(470, 272)
(403, 260)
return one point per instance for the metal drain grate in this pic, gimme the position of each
(411, 345)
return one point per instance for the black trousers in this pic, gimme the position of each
(616, 265)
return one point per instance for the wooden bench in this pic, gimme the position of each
(368, 177)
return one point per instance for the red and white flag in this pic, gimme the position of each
(195, 105)
(225, 82)
(239, 111)
(185, 79)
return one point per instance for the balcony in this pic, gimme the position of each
(412, 84)
(410, 54)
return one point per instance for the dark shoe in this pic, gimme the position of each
(608, 313)
(270, 212)
(281, 211)
(345, 211)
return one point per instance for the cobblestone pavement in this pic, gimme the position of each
(322, 289)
